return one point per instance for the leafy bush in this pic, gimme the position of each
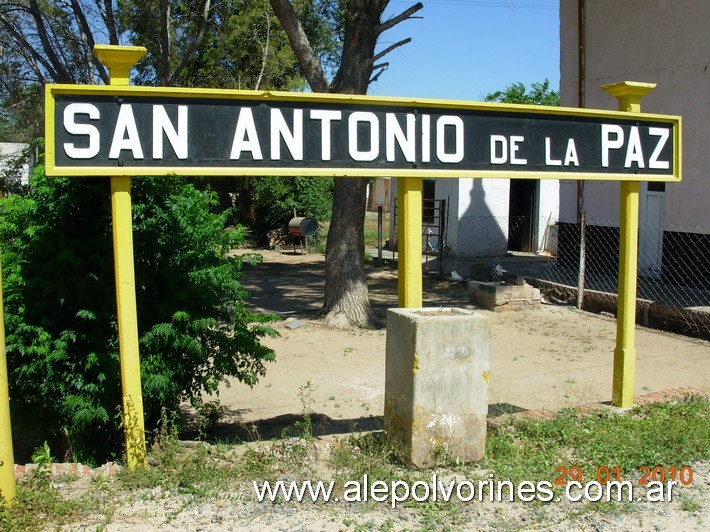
(274, 197)
(60, 306)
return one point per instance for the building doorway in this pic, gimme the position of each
(521, 214)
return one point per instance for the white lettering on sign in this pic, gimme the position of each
(499, 140)
(292, 138)
(613, 139)
(457, 155)
(634, 153)
(245, 137)
(363, 117)
(549, 161)
(426, 138)
(515, 141)
(133, 133)
(406, 141)
(663, 135)
(70, 125)
(571, 157)
(125, 135)
(571, 154)
(163, 126)
(611, 144)
(500, 143)
(326, 117)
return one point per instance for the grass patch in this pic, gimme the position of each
(665, 434)
(38, 502)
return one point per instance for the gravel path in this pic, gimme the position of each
(239, 509)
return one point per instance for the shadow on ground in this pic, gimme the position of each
(283, 426)
(288, 425)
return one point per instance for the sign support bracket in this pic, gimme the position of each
(629, 95)
(119, 60)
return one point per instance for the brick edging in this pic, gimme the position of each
(71, 469)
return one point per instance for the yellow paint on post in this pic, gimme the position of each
(8, 490)
(629, 95)
(409, 241)
(119, 60)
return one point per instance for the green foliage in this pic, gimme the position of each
(323, 22)
(243, 45)
(540, 94)
(274, 197)
(60, 305)
(37, 503)
(666, 434)
(42, 456)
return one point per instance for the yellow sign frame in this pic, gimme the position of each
(54, 90)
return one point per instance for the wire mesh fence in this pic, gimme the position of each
(580, 267)
(381, 234)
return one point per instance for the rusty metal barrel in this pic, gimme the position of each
(302, 226)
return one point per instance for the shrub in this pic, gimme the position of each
(274, 197)
(60, 306)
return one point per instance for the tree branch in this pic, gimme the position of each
(61, 74)
(265, 55)
(22, 42)
(404, 15)
(382, 67)
(196, 43)
(105, 8)
(86, 31)
(307, 59)
(387, 50)
(165, 43)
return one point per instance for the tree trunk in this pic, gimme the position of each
(346, 299)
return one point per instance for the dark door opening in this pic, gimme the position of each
(521, 214)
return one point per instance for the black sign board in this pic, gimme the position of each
(142, 131)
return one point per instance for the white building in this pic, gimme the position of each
(9, 152)
(657, 41)
(489, 217)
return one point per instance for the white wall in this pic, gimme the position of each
(11, 150)
(548, 212)
(478, 214)
(482, 227)
(658, 41)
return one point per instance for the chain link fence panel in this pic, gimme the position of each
(673, 288)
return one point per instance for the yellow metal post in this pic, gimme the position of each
(409, 238)
(119, 60)
(7, 459)
(629, 95)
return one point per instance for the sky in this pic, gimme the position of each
(466, 49)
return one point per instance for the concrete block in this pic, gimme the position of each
(436, 383)
(503, 296)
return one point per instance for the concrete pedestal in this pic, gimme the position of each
(436, 383)
(503, 296)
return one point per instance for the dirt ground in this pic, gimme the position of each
(546, 358)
